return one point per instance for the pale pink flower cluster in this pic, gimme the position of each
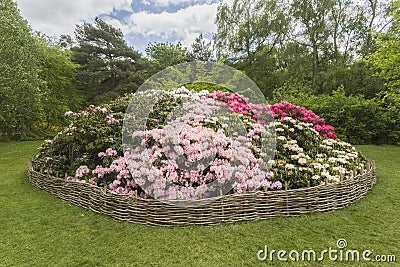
(91, 108)
(122, 181)
(80, 174)
(109, 152)
(198, 157)
(112, 120)
(82, 171)
(187, 154)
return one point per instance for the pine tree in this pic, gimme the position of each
(201, 49)
(163, 55)
(108, 66)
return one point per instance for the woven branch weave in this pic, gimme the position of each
(223, 209)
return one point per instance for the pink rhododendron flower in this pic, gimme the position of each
(279, 111)
(82, 171)
(277, 185)
(111, 120)
(111, 152)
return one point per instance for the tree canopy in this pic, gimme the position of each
(308, 50)
(58, 72)
(163, 55)
(385, 60)
(244, 27)
(36, 79)
(201, 49)
(21, 89)
(276, 41)
(108, 66)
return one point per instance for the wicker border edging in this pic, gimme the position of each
(228, 208)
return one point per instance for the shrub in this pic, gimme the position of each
(90, 150)
(354, 118)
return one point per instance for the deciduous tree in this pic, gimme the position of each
(21, 88)
(245, 27)
(58, 72)
(385, 61)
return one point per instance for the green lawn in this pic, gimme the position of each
(38, 229)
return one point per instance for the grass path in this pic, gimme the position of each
(37, 229)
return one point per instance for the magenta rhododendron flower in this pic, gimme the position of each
(286, 109)
(279, 111)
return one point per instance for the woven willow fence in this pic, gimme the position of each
(227, 208)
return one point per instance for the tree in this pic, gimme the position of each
(335, 32)
(347, 21)
(108, 66)
(245, 27)
(248, 36)
(385, 61)
(295, 64)
(65, 42)
(58, 72)
(308, 42)
(21, 88)
(356, 79)
(375, 15)
(314, 31)
(163, 55)
(201, 49)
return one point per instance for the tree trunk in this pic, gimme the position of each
(315, 66)
(373, 5)
(335, 43)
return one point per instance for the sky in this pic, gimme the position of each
(141, 21)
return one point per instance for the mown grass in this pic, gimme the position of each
(37, 229)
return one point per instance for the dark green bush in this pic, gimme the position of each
(355, 119)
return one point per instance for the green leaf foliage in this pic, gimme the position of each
(21, 89)
(108, 66)
(385, 61)
(163, 55)
(58, 72)
(356, 119)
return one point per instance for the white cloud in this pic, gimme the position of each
(55, 17)
(116, 23)
(183, 25)
(164, 3)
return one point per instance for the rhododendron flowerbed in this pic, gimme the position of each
(186, 147)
